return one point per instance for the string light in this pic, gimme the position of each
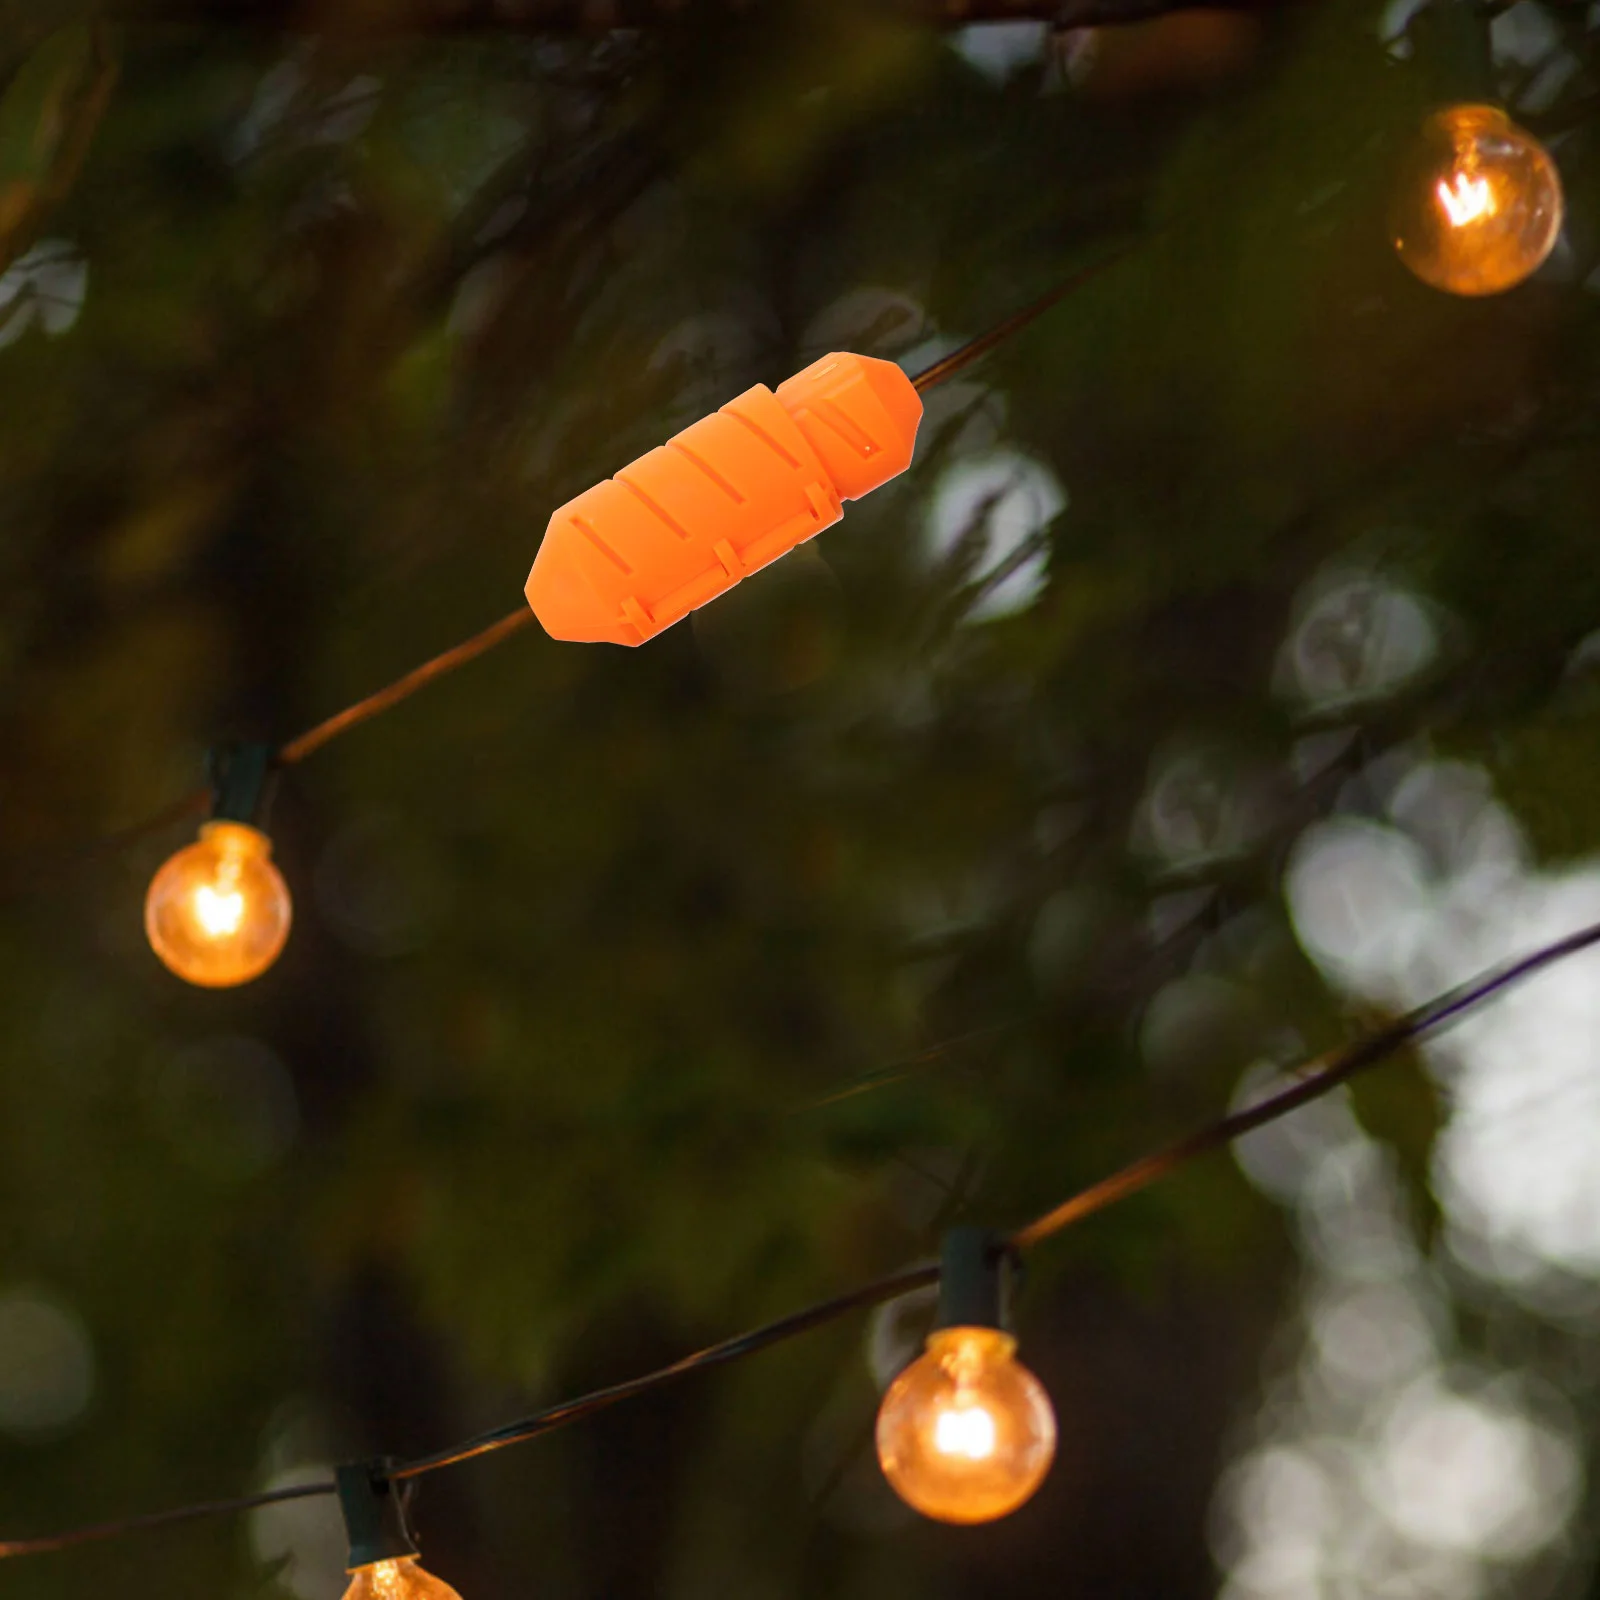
(480, 643)
(383, 1562)
(218, 912)
(1479, 205)
(966, 1433)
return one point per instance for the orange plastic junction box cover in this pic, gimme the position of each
(729, 494)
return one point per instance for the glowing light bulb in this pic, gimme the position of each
(398, 1579)
(966, 1433)
(1479, 205)
(218, 912)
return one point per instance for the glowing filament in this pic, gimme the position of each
(389, 1580)
(219, 912)
(399, 1579)
(967, 1432)
(1466, 200)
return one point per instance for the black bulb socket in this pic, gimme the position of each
(374, 1507)
(976, 1269)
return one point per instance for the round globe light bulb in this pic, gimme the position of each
(398, 1579)
(1479, 204)
(966, 1433)
(218, 912)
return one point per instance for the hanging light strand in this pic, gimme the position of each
(497, 633)
(942, 370)
(150, 1522)
(1316, 1079)
(717, 1355)
(325, 732)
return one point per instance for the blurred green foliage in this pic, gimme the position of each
(638, 996)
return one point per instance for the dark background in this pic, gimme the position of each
(635, 997)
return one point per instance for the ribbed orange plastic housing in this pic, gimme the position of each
(738, 489)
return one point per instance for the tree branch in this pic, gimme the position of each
(68, 120)
(597, 16)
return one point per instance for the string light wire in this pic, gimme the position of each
(745, 1344)
(1315, 1080)
(447, 661)
(1318, 1078)
(942, 370)
(325, 732)
(98, 1532)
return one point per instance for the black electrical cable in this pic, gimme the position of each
(1320, 1079)
(515, 622)
(744, 1344)
(942, 370)
(1313, 1083)
(152, 1520)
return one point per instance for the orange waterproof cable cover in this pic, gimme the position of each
(729, 494)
